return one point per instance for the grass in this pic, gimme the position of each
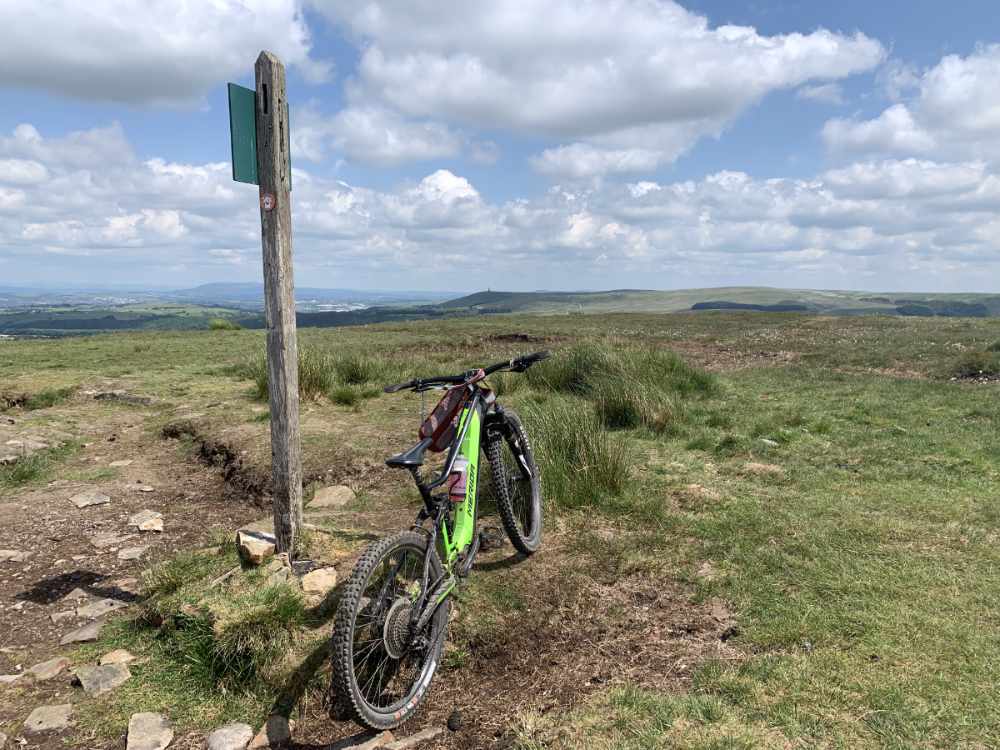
(861, 574)
(36, 467)
(215, 652)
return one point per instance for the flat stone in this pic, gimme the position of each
(120, 464)
(235, 736)
(46, 670)
(9, 679)
(149, 731)
(75, 595)
(13, 555)
(146, 488)
(48, 718)
(88, 498)
(335, 496)
(101, 607)
(118, 656)
(274, 732)
(131, 553)
(255, 546)
(103, 678)
(424, 735)
(147, 520)
(110, 539)
(319, 581)
(88, 632)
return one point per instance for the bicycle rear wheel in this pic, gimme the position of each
(517, 485)
(381, 671)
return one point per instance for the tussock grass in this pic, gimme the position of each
(584, 368)
(224, 324)
(337, 377)
(623, 406)
(994, 347)
(225, 636)
(581, 463)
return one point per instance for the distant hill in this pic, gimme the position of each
(764, 299)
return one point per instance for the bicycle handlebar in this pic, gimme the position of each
(518, 364)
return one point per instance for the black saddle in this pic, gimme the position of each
(413, 457)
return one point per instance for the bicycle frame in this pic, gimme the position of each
(466, 444)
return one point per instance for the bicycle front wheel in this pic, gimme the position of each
(517, 485)
(381, 670)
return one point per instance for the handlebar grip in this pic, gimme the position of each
(530, 359)
(523, 363)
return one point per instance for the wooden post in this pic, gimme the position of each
(274, 178)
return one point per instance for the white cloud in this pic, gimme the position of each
(371, 135)
(157, 51)
(891, 222)
(612, 79)
(954, 113)
(828, 93)
(581, 160)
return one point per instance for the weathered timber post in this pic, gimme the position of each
(274, 179)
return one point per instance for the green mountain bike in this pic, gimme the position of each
(390, 625)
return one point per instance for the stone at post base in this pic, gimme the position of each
(255, 546)
(319, 581)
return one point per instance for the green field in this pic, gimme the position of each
(762, 530)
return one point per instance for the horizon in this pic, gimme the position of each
(125, 287)
(851, 147)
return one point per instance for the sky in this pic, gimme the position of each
(510, 144)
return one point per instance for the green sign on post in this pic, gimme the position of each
(243, 132)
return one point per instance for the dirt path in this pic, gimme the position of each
(70, 549)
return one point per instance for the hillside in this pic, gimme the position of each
(827, 302)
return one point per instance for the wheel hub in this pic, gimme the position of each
(396, 630)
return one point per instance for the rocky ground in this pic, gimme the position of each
(75, 547)
(124, 497)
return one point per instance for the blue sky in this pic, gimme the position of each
(569, 144)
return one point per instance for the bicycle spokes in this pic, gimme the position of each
(385, 663)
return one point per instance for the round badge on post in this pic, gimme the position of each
(267, 201)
